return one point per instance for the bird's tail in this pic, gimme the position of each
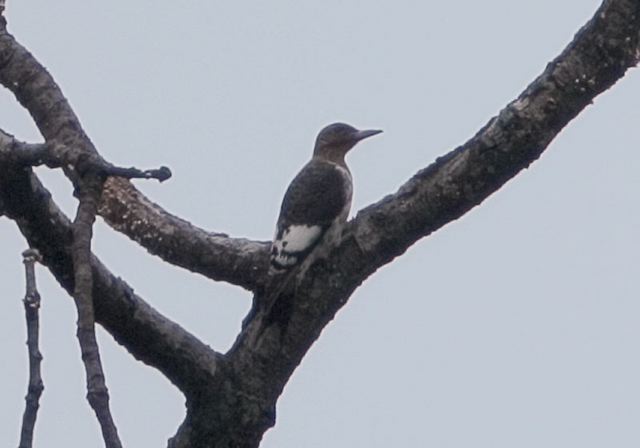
(268, 293)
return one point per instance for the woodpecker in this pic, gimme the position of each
(317, 202)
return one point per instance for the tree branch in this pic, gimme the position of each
(97, 392)
(594, 61)
(146, 334)
(12, 150)
(268, 350)
(36, 386)
(149, 336)
(215, 255)
(239, 261)
(56, 156)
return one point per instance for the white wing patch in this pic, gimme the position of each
(298, 238)
(295, 241)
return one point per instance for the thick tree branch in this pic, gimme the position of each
(600, 54)
(82, 231)
(36, 386)
(15, 151)
(215, 255)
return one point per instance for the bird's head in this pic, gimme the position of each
(335, 140)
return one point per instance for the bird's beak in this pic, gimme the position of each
(361, 135)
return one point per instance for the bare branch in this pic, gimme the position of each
(145, 333)
(12, 150)
(215, 255)
(267, 351)
(36, 386)
(97, 392)
(600, 54)
(161, 174)
(56, 156)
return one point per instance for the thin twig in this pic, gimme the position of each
(161, 174)
(97, 392)
(56, 155)
(35, 388)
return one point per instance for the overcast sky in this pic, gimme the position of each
(517, 325)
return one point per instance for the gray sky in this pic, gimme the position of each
(515, 326)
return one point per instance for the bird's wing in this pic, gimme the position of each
(315, 199)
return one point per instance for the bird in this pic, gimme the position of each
(314, 210)
(316, 204)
